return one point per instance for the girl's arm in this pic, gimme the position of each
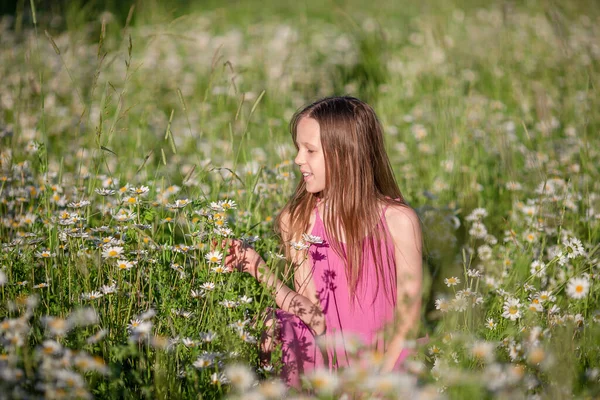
(246, 259)
(405, 228)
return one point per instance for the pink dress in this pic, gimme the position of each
(345, 319)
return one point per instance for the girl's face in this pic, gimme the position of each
(310, 158)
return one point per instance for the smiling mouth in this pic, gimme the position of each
(306, 175)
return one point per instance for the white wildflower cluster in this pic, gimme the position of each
(59, 369)
(477, 230)
(240, 327)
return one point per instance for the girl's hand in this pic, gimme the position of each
(244, 258)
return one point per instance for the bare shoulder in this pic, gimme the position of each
(404, 224)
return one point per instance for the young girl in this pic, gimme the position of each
(354, 243)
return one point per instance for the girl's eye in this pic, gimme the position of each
(311, 151)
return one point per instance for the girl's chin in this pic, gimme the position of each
(313, 190)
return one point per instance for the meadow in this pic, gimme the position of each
(128, 143)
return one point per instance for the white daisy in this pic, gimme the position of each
(214, 257)
(112, 252)
(452, 281)
(512, 309)
(577, 288)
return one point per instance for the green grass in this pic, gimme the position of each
(481, 105)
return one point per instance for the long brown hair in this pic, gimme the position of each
(358, 180)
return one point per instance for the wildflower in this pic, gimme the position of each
(459, 303)
(239, 324)
(513, 186)
(41, 285)
(221, 269)
(223, 231)
(478, 230)
(529, 210)
(68, 379)
(197, 293)
(312, 239)
(535, 306)
(139, 327)
(178, 204)
(187, 342)
(130, 200)
(515, 351)
(512, 309)
(299, 246)
(435, 350)
(545, 295)
(228, 205)
(272, 389)
(124, 264)
(79, 204)
(56, 326)
(105, 192)
(483, 351)
(171, 190)
(97, 337)
(93, 295)
(109, 289)
(322, 381)
(45, 254)
(202, 362)
(214, 257)
(216, 206)
(484, 252)
(474, 273)
(573, 248)
(245, 299)
(268, 368)
(490, 324)
(183, 313)
(229, 303)
(536, 355)
(51, 347)
(419, 131)
(208, 337)
(577, 288)
(530, 236)
(452, 281)
(477, 214)
(246, 337)
(140, 191)
(208, 286)
(112, 252)
(218, 379)
(538, 269)
(124, 215)
(442, 304)
(240, 376)
(528, 287)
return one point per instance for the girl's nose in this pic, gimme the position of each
(298, 160)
